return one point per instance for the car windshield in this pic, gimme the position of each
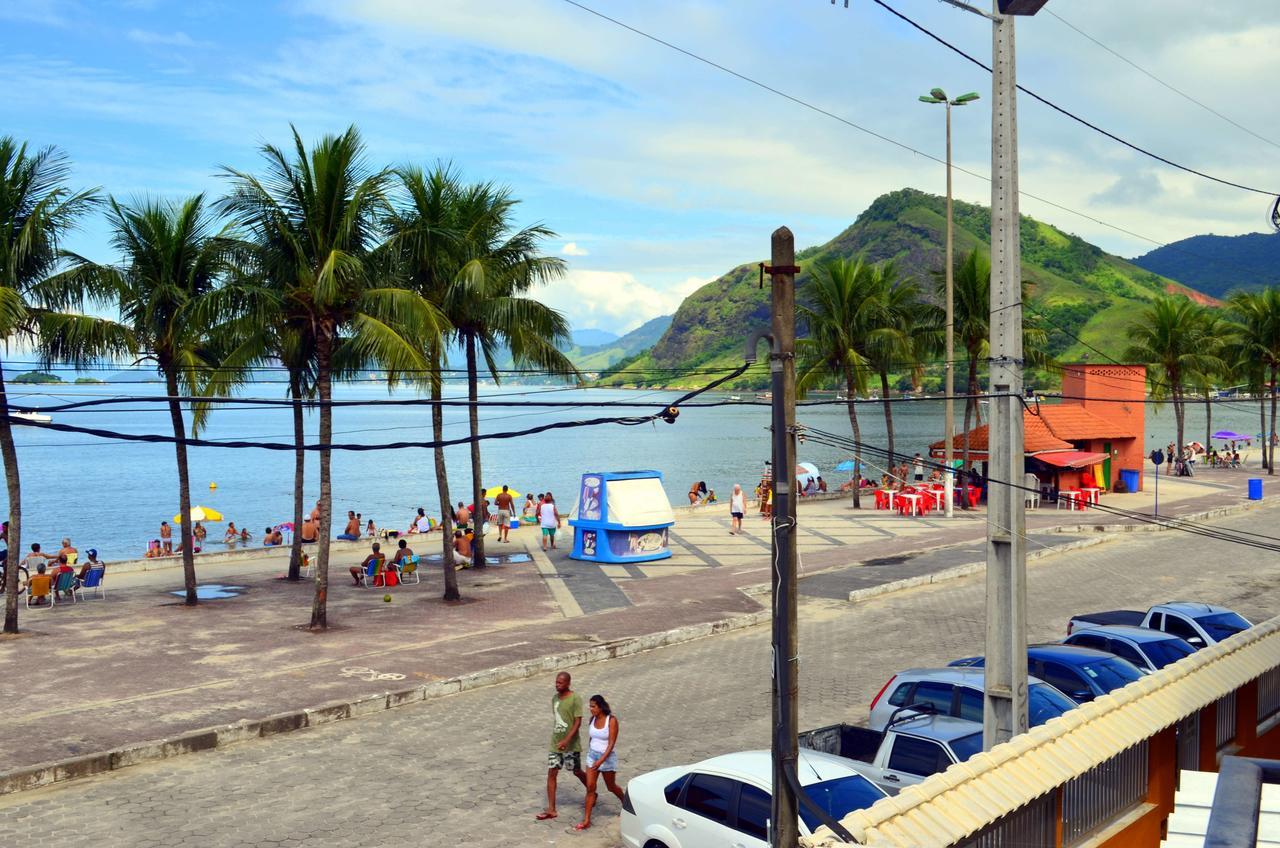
(966, 746)
(839, 797)
(1044, 702)
(1110, 674)
(1222, 625)
(1167, 651)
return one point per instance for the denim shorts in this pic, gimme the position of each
(610, 762)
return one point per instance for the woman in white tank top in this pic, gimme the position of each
(602, 736)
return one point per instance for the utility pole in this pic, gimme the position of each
(785, 831)
(1004, 712)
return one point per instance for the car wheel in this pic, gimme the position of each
(653, 843)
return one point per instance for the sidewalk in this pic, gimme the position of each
(141, 666)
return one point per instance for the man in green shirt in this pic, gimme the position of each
(566, 746)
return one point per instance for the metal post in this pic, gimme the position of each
(1156, 508)
(949, 426)
(1005, 703)
(785, 831)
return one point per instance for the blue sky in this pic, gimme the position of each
(659, 173)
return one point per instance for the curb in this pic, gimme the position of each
(958, 571)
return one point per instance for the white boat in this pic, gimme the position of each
(38, 417)
(735, 397)
(765, 396)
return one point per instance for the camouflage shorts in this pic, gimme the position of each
(571, 760)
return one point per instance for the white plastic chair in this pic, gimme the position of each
(1031, 497)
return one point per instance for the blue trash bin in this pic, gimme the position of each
(1130, 478)
(1255, 488)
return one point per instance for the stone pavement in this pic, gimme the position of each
(469, 769)
(141, 666)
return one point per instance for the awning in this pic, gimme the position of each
(1070, 459)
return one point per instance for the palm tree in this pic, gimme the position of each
(496, 265)
(845, 317)
(972, 316)
(315, 218)
(1172, 337)
(1257, 316)
(37, 209)
(424, 240)
(173, 257)
(901, 339)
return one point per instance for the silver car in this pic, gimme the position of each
(958, 692)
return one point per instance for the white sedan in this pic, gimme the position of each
(724, 802)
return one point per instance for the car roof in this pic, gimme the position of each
(967, 675)
(757, 766)
(943, 727)
(1129, 631)
(1072, 654)
(1194, 608)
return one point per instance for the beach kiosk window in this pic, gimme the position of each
(621, 516)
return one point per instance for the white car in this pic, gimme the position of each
(724, 802)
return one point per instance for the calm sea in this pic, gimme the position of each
(113, 495)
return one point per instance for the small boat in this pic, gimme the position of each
(735, 397)
(37, 417)
(765, 396)
(841, 396)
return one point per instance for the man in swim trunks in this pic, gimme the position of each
(352, 533)
(310, 530)
(166, 537)
(506, 505)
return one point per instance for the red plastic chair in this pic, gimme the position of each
(974, 494)
(882, 499)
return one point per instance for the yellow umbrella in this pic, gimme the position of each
(200, 513)
(494, 491)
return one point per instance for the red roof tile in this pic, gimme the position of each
(1072, 422)
(1037, 437)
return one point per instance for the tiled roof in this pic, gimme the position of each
(948, 807)
(1072, 422)
(1037, 437)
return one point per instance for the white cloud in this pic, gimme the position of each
(572, 249)
(614, 300)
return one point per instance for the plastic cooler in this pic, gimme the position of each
(1255, 488)
(1130, 478)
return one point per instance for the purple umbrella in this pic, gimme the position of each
(1229, 436)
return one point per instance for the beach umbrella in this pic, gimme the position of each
(846, 465)
(806, 469)
(200, 513)
(494, 491)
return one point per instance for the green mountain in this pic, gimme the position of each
(601, 356)
(1219, 265)
(1080, 289)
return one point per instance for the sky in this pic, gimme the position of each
(657, 172)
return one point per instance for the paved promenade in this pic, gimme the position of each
(468, 769)
(140, 666)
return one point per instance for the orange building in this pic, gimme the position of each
(1096, 432)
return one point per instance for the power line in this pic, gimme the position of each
(1157, 79)
(1073, 116)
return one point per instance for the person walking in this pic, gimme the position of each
(506, 505)
(566, 745)
(917, 468)
(602, 756)
(550, 519)
(737, 509)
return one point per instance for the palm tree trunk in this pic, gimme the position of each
(851, 393)
(888, 410)
(1271, 434)
(324, 388)
(1208, 420)
(1178, 415)
(451, 592)
(184, 484)
(477, 487)
(970, 403)
(9, 453)
(1262, 429)
(299, 477)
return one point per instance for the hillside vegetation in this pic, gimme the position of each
(1076, 287)
(1219, 265)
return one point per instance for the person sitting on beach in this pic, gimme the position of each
(310, 530)
(35, 558)
(352, 533)
(370, 562)
(39, 585)
(822, 485)
(60, 568)
(153, 549)
(461, 550)
(403, 552)
(69, 551)
(462, 516)
(233, 535)
(272, 537)
(935, 476)
(91, 562)
(423, 524)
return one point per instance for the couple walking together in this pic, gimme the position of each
(566, 747)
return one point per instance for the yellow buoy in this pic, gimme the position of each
(213, 485)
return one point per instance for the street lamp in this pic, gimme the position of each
(935, 96)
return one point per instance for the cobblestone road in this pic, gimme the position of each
(468, 770)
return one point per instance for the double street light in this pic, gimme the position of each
(936, 96)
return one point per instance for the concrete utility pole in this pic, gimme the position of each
(785, 831)
(1005, 705)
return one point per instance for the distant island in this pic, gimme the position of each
(90, 381)
(37, 377)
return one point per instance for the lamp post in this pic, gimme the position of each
(937, 95)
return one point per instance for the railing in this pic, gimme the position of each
(1097, 797)
(1268, 694)
(1188, 731)
(1226, 730)
(1033, 824)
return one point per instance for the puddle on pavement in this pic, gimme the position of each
(212, 592)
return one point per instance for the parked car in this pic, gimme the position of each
(725, 801)
(1081, 674)
(913, 747)
(1199, 624)
(958, 692)
(1150, 650)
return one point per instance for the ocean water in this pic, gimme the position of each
(113, 495)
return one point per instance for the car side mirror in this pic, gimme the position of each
(1081, 695)
(1196, 640)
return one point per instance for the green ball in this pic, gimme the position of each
(386, 598)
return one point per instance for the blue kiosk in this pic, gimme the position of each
(621, 516)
